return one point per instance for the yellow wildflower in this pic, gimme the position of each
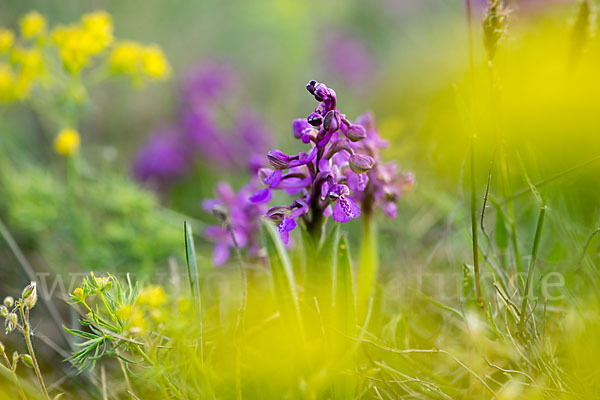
(7, 78)
(98, 25)
(66, 144)
(103, 282)
(125, 57)
(133, 317)
(154, 63)
(78, 294)
(152, 296)
(75, 46)
(33, 24)
(30, 67)
(7, 38)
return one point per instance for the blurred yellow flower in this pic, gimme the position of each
(7, 38)
(30, 66)
(125, 57)
(154, 63)
(133, 317)
(67, 142)
(33, 24)
(7, 78)
(152, 296)
(99, 27)
(78, 293)
(75, 46)
(103, 281)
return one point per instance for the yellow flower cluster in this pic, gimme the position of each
(133, 59)
(33, 24)
(23, 62)
(67, 144)
(148, 302)
(134, 319)
(24, 65)
(7, 38)
(78, 42)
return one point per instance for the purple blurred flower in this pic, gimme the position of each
(206, 138)
(206, 83)
(349, 58)
(244, 217)
(205, 91)
(162, 158)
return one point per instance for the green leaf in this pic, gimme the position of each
(320, 270)
(283, 280)
(192, 268)
(369, 263)
(343, 289)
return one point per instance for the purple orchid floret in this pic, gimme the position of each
(242, 214)
(325, 177)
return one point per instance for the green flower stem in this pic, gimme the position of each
(36, 367)
(369, 263)
(100, 319)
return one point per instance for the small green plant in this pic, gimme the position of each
(16, 316)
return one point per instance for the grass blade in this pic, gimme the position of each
(283, 280)
(192, 268)
(344, 306)
(343, 289)
(534, 252)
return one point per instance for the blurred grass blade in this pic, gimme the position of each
(343, 289)
(534, 252)
(283, 280)
(501, 231)
(367, 272)
(192, 268)
(345, 315)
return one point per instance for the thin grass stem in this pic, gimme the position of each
(534, 252)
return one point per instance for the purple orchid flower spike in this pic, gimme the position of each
(326, 177)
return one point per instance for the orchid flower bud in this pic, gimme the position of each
(356, 133)
(332, 120)
(315, 119)
(310, 86)
(278, 213)
(278, 159)
(321, 92)
(360, 163)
